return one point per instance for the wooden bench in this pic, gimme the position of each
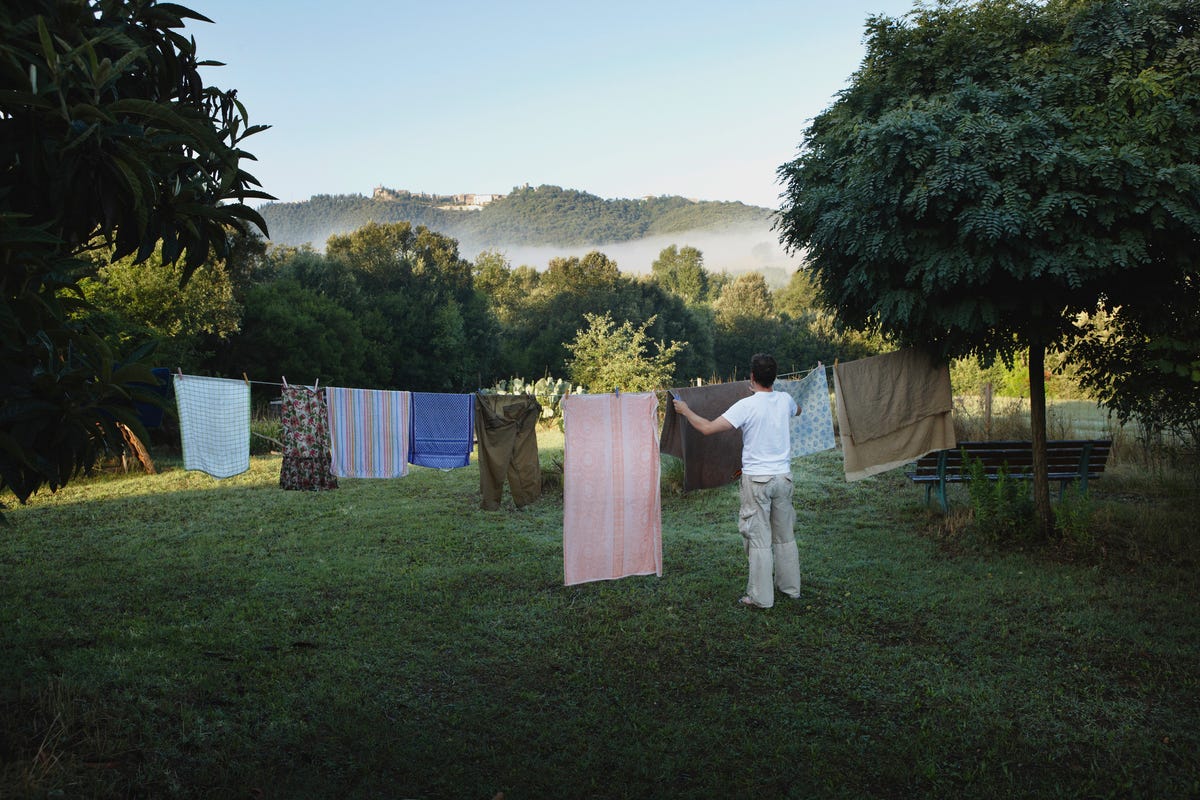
(1067, 461)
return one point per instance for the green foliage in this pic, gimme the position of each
(606, 358)
(1073, 519)
(419, 303)
(811, 333)
(745, 323)
(669, 216)
(546, 215)
(745, 301)
(550, 214)
(150, 302)
(494, 278)
(799, 297)
(294, 332)
(681, 272)
(671, 318)
(327, 277)
(548, 317)
(314, 220)
(387, 305)
(266, 435)
(802, 342)
(106, 131)
(542, 312)
(1003, 509)
(996, 167)
(970, 376)
(1144, 364)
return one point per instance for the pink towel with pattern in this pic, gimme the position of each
(368, 432)
(612, 506)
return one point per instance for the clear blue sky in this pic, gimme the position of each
(620, 99)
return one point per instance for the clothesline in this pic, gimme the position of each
(180, 373)
(314, 385)
(659, 392)
(805, 373)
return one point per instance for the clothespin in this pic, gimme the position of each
(284, 377)
(316, 383)
(617, 391)
(179, 370)
(246, 379)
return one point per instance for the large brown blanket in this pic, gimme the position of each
(708, 461)
(892, 409)
(887, 392)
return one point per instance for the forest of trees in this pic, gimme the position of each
(542, 215)
(396, 306)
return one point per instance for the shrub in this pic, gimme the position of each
(548, 391)
(1073, 519)
(1002, 505)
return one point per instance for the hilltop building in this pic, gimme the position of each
(450, 202)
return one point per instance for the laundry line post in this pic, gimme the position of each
(987, 411)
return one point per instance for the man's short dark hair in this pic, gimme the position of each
(763, 369)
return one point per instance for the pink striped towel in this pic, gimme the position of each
(612, 506)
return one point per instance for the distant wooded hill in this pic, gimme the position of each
(543, 216)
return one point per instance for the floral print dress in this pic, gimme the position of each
(306, 462)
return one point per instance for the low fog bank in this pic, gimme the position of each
(733, 250)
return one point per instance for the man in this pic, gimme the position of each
(766, 519)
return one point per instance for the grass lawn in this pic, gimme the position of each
(177, 636)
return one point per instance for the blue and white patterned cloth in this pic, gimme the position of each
(443, 430)
(812, 430)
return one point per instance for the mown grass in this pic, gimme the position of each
(177, 636)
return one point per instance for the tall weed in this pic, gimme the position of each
(1073, 520)
(1002, 505)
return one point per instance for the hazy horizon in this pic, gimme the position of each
(729, 250)
(732, 250)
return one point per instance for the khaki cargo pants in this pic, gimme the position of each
(767, 522)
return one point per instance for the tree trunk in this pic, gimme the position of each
(1037, 422)
(134, 445)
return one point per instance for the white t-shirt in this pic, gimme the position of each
(764, 419)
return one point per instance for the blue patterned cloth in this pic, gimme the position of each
(443, 430)
(812, 430)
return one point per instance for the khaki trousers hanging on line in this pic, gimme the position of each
(506, 430)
